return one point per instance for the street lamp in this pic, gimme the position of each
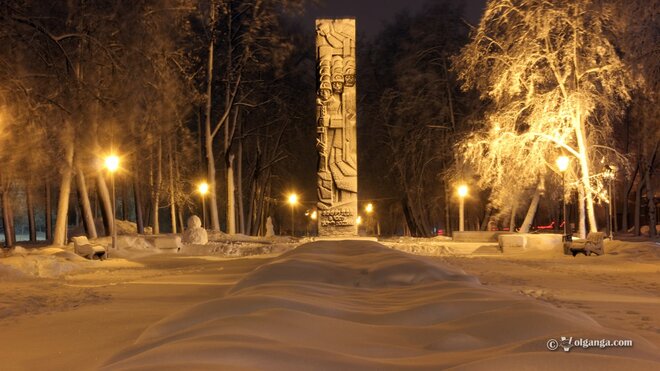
(369, 209)
(203, 190)
(293, 200)
(610, 172)
(112, 164)
(462, 192)
(562, 164)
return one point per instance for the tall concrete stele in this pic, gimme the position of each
(336, 118)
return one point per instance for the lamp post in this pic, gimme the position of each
(203, 190)
(314, 216)
(112, 164)
(369, 209)
(610, 172)
(562, 164)
(462, 192)
(293, 200)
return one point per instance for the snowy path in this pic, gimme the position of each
(348, 305)
(619, 292)
(100, 313)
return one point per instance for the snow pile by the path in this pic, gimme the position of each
(50, 262)
(439, 245)
(361, 306)
(642, 250)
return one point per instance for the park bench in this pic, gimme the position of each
(592, 245)
(83, 247)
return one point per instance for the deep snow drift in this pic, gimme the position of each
(359, 305)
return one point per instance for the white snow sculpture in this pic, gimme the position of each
(195, 234)
(270, 230)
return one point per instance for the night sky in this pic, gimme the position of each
(371, 15)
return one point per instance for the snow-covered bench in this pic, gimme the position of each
(592, 245)
(170, 243)
(83, 247)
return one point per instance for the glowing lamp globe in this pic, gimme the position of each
(562, 163)
(112, 163)
(462, 190)
(293, 199)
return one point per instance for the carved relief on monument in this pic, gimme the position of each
(336, 127)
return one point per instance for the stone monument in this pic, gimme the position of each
(336, 118)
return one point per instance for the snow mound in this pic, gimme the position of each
(359, 305)
(50, 262)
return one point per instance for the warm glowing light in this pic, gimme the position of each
(293, 199)
(562, 163)
(358, 220)
(462, 190)
(610, 171)
(112, 163)
(203, 188)
(369, 208)
(314, 215)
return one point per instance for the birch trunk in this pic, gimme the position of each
(638, 206)
(7, 220)
(512, 219)
(30, 210)
(652, 219)
(210, 160)
(155, 192)
(171, 175)
(531, 212)
(106, 203)
(628, 186)
(239, 184)
(137, 198)
(83, 199)
(582, 229)
(60, 233)
(231, 216)
(48, 210)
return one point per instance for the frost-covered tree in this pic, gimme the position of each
(555, 83)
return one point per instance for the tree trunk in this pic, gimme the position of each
(155, 192)
(231, 207)
(239, 183)
(580, 133)
(49, 214)
(210, 160)
(582, 212)
(86, 208)
(124, 199)
(484, 224)
(447, 210)
(531, 212)
(60, 234)
(106, 203)
(137, 198)
(638, 206)
(512, 219)
(172, 198)
(650, 194)
(628, 186)
(7, 220)
(30, 210)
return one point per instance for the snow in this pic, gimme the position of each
(327, 305)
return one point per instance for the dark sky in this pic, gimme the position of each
(371, 15)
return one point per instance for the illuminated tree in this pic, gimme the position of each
(555, 84)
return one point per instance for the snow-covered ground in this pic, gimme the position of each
(327, 305)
